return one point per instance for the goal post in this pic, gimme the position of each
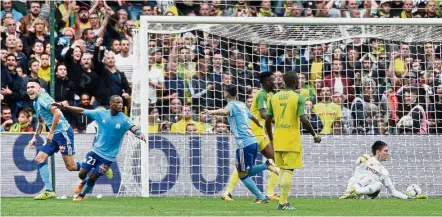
(194, 159)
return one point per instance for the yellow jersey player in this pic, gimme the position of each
(287, 109)
(259, 110)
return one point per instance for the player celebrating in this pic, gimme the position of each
(287, 108)
(112, 126)
(370, 176)
(60, 136)
(238, 116)
(258, 109)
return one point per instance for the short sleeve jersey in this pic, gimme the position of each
(239, 124)
(286, 107)
(42, 106)
(260, 101)
(111, 130)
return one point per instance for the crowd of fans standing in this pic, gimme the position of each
(358, 86)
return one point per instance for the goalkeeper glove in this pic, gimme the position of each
(421, 196)
(364, 158)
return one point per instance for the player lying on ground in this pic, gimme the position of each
(370, 176)
(112, 126)
(287, 108)
(238, 116)
(60, 136)
(259, 110)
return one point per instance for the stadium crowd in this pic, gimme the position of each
(359, 86)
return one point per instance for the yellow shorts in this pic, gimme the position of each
(263, 141)
(288, 159)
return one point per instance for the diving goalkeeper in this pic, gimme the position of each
(370, 176)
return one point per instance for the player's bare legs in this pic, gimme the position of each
(83, 176)
(70, 163)
(269, 153)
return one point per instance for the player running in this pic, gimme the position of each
(259, 110)
(60, 136)
(287, 108)
(370, 176)
(238, 116)
(112, 126)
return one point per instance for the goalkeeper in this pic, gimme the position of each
(370, 176)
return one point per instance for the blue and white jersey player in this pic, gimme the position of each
(60, 136)
(112, 126)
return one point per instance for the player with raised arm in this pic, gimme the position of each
(370, 176)
(287, 108)
(238, 116)
(112, 126)
(60, 136)
(259, 110)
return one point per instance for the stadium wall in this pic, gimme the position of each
(182, 165)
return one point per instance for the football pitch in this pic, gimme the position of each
(108, 206)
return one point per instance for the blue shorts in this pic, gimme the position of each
(63, 142)
(93, 161)
(245, 157)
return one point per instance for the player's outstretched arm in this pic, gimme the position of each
(268, 126)
(395, 193)
(66, 107)
(220, 111)
(138, 133)
(308, 126)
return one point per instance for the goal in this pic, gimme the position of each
(183, 64)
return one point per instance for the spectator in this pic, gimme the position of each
(112, 81)
(304, 88)
(384, 9)
(27, 22)
(45, 69)
(279, 81)
(7, 8)
(200, 86)
(125, 61)
(340, 83)
(34, 66)
(220, 128)
(249, 101)
(412, 115)
(156, 81)
(191, 128)
(438, 110)
(174, 112)
(12, 93)
(64, 87)
(80, 121)
(364, 109)
(407, 9)
(186, 118)
(9, 28)
(21, 59)
(265, 10)
(23, 124)
(327, 111)
(174, 87)
(346, 113)
(314, 119)
(6, 119)
(153, 120)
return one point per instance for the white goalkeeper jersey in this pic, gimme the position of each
(375, 170)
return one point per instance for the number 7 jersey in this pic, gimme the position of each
(286, 107)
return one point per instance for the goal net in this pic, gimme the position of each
(363, 80)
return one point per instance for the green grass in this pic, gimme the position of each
(216, 207)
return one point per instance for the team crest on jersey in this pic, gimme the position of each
(62, 148)
(104, 121)
(118, 126)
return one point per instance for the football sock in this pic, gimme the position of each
(44, 173)
(273, 178)
(285, 185)
(234, 179)
(88, 188)
(251, 185)
(85, 180)
(257, 169)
